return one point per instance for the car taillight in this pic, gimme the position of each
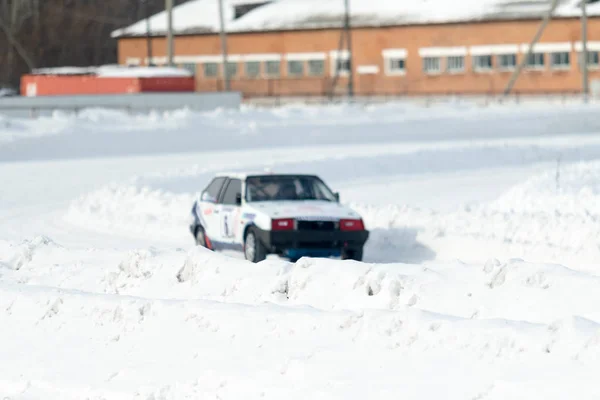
(352, 225)
(286, 224)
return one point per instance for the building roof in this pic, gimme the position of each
(202, 16)
(194, 16)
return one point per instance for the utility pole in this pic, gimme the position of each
(223, 35)
(586, 81)
(349, 44)
(148, 33)
(169, 7)
(517, 72)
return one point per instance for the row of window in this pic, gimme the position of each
(271, 69)
(394, 64)
(501, 62)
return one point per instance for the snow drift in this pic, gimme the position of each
(253, 330)
(535, 220)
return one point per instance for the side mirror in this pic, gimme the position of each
(238, 199)
(337, 196)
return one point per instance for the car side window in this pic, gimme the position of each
(234, 188)
(211, 193)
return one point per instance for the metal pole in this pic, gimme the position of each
(169, 7)
(223, 36)
(148, 33)
(517, 72)
(349, 43)
(584, 35)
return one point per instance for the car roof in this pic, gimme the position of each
(244, 175)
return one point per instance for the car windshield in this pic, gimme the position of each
(288, 187)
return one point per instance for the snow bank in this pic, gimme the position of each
(97, 133)
(174, 324)
(476, 231)
(89, 128)
(136, 211)
(567, 190)
(12, 130)
(532, 220)
(511, 289)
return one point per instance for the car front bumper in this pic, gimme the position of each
(312, 242)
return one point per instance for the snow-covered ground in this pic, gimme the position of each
(480, 279)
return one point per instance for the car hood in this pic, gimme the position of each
(303, 209)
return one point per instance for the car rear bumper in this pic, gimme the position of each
(312, 242)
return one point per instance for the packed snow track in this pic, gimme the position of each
(480, 278)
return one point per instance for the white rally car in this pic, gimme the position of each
(292, 216)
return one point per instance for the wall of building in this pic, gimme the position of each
(369, 47)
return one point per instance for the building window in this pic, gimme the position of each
(592, 57)
(482, 63)
(252, 69)
(455, 64)
(231, 69)
(133, 61)
(536, 61)
(211, 70)
(340, 63)
(273, 68)
(396, 66)
(316, 67)
(295, 68)
(343, 66)
(507, 62)
(189, 67)
(560, 60)
(432, 65)
(394, 61)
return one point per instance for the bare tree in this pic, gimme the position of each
(50, 33)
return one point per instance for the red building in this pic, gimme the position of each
(296, 47)
(106, 80)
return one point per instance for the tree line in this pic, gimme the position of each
(52, 33)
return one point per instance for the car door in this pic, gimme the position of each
(229, 211)
(208, 207)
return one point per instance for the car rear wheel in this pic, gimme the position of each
(352, 254)
(254, 250)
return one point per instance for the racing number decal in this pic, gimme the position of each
(228, 223)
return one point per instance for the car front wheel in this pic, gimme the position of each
(254, 250)
(201, 237)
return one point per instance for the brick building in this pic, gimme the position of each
(296, 47)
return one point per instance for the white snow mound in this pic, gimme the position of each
(220, 327)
